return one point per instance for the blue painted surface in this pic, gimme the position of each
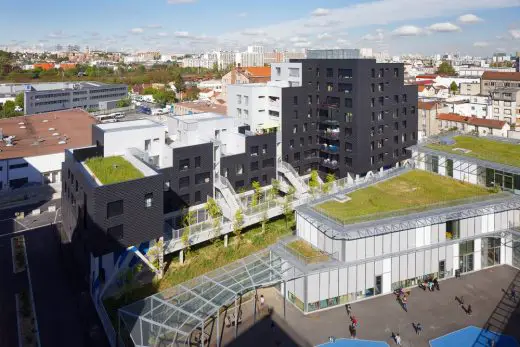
(354, 343)
(473, 336)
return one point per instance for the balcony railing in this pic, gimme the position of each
(330, 134)
(329, 148)
(330, 163)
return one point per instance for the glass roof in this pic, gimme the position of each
(173, 314)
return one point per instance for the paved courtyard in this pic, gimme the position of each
(438, 312)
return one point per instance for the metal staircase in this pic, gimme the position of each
(293, 177)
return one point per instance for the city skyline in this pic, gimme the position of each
(188, 26)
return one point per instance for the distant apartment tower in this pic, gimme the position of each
(492, 80)
(48, 97)
(347, 117)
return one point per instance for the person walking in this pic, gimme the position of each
(398, 339)
(349, 309)
(404, 302)
(461, 301)
(262, 302)
(418, 328)
(513, 294)
(469, 310)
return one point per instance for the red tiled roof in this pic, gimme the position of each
(426, 105)
(427, 77)
(480, 122)
(420, 88)
(423, 82)
(502, 76)
(258, 71)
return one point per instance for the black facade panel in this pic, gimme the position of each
(258, 162)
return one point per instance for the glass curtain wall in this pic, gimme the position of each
(490, 251)
(466, 256)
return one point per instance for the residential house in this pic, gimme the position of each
(428, 124)
(492, 80)
(466, 124)
(241, 75)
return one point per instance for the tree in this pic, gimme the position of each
(314, 183)
(18, 101)
(124, 102)
(215, 212)
(287, 208)
(192, 93)
(8, 110)
(188, 220)
(275, 187)
(238, 224)
(265, 219)
(256, 195)
(453, 87)
(446, 69)
(178, 82)
(329, 180)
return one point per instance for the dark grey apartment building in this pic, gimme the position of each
(349, 116)
(48, 97)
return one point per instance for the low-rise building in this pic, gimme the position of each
(480, 126)
(32, 148)
(506, 104)
(492, 80)
(241, 75)
(48, 97)
(428, 124)
(200, 106)
(471, 105)
(469, 88)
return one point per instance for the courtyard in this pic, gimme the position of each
(438, 312)
(484, 149)
(413, 191)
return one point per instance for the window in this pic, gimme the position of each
(396, 140)
(239, 112)
(254, 151)
(373, 88)
(396, 72)
(373, 117)
(246, 100)
(268, 163)
(18, 166)
(184, 164)
(202, 178)
(184, 182)
(348, 147)
(297, 156)
(348, 102)
(381, 73)
(372, 145)
(295, 129)
(404, 124)
(252, 180)
(302, 142)
(147, 144)
(412, 110)
(348, 117)
(330, 87)
(148, 200)
(254, 166)
(396, 99)
(167, 185)
(309, 140)
(371, 160)
(264, 149)
(116, 232)
(240, 169)
(404, 98)
(309, 99)
(114, 208)
(372, 102)
(264, 179)
(197, 196)
(330, 72)
(197, 161)
(185, 198)
(345, 73)
(380, 115)
(291, 144)
(239, 99)
(295, 100)
(278, 71)
(373, 74)
(295, 114)
(381, 87)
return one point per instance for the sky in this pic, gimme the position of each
(473, 27)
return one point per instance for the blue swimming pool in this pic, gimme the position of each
(354, 343)
(473, 336)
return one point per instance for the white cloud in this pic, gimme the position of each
(480, 44)
(59, 34)
(469, 18)
(154, 26)
(162, 34)
(242, 14)
(137, 30)
(377, 37)
(342, 42)
(324, 36)
(298, 39)
(175, 2)
(182, 34)
(515, 33)
(407, 30)
(303, 44)
(253, 32)
(443, 27)
(319, 12)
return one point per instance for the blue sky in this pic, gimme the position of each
(477, 27)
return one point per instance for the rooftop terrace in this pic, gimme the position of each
(110, 170)
(411, 192)
(502, 152)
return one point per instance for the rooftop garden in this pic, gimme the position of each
(307, 252)
(413, 191)
(109, 170)
(481, 148)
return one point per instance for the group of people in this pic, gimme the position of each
(353, 322)
(430, 284)
(402, 297)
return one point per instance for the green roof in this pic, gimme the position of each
(413, 191)
(109, 170)
(484, 149)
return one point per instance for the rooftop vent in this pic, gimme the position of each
(22, 127)
(62, 142)
(45, 121)
(52, 129)
(21, 123)
(55, 134)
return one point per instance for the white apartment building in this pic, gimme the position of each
(470, 105)
(225, 59)
(247, 59)
(290, 72)
(506, 105)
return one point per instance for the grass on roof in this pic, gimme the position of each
(307, 251)
(481, 148)
(109, 170)
(412, 191)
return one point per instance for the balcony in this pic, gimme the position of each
(330, 134)
(330, 163)
(329, 148)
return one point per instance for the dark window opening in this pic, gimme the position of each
(116, 232)
(114, 208)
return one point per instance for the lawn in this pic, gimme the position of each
(202, 260)
(481, 148)
(412, 191)
(109, 170)
(307, 251)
